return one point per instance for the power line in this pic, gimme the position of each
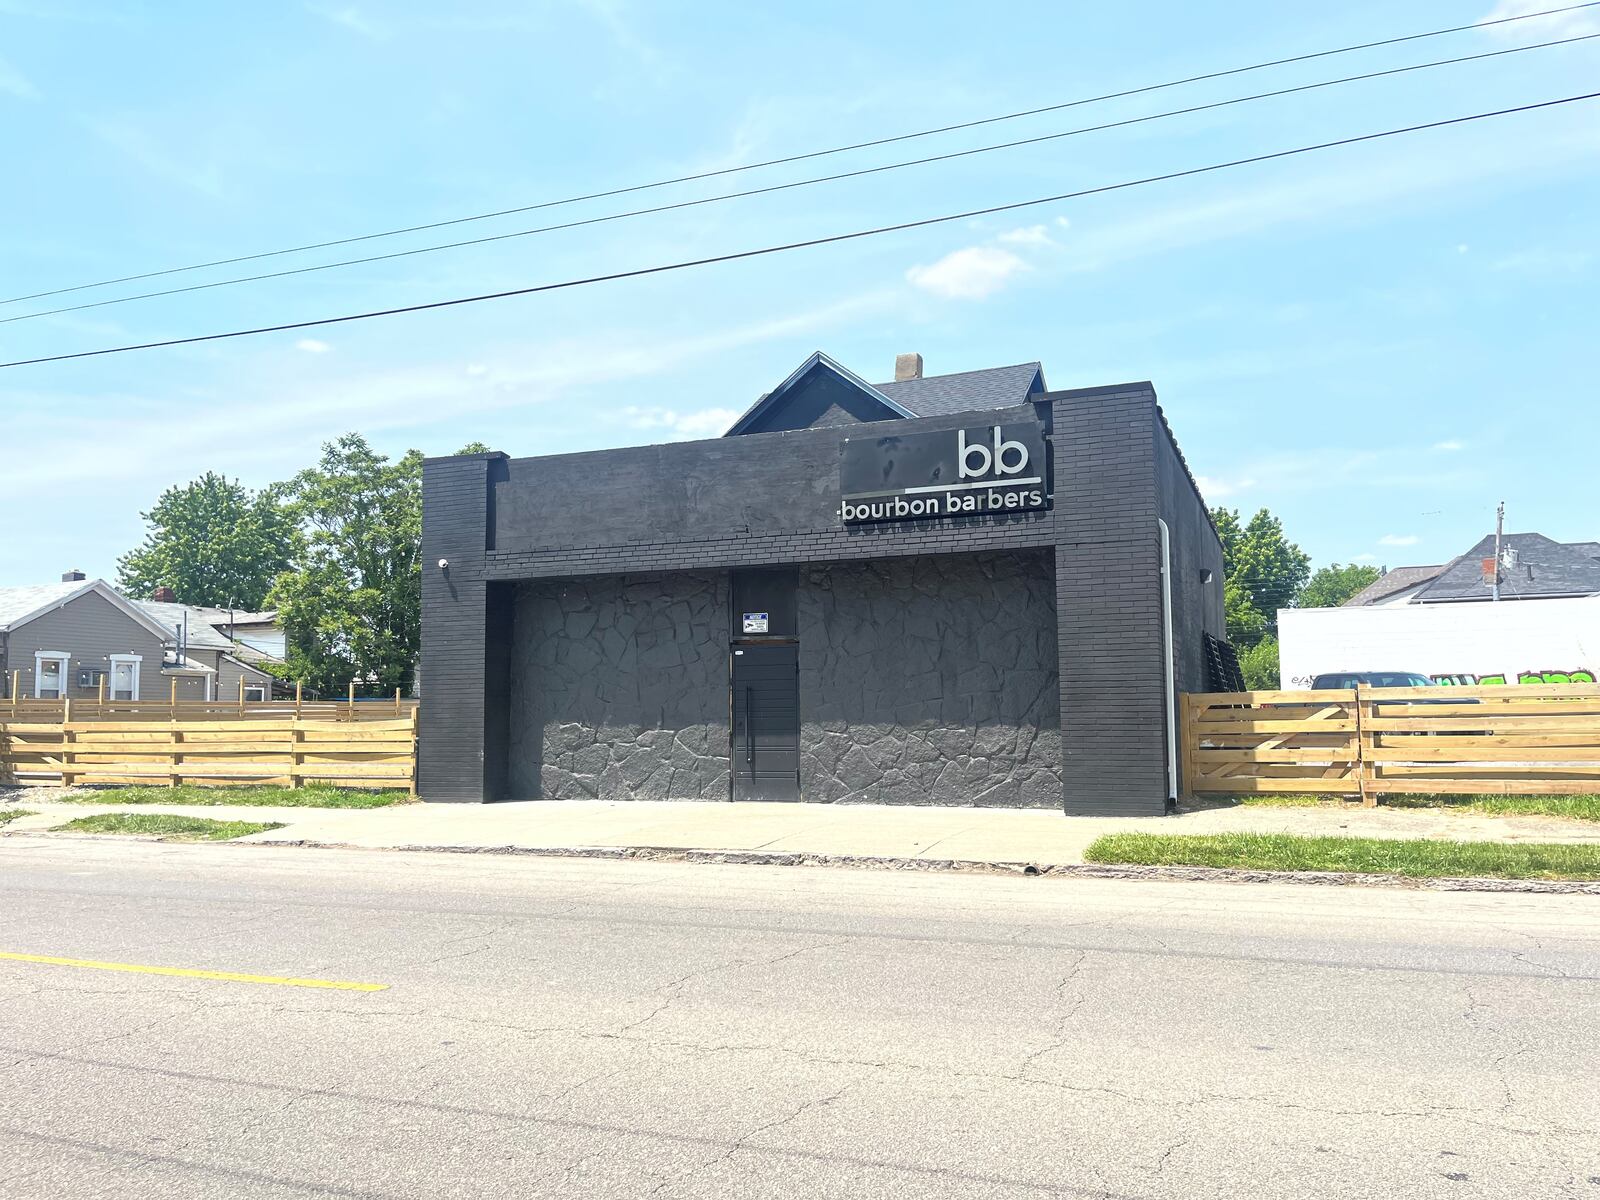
(802, 245)
(797, 183)
(793, 158)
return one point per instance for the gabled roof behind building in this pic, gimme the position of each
(202, 635)
(19, 605)
(930, 396)
(1532, 566)
(967, 391)
(1393, 582)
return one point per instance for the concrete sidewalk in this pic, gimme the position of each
(904, 835)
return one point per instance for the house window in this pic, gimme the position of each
(50, 674)
(254, 691)
(125, 676)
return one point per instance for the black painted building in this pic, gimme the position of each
(963, 589)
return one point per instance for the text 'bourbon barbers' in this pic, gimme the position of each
(995, 468)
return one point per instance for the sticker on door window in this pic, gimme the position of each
(755, 622)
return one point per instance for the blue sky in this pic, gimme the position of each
(1377, 342)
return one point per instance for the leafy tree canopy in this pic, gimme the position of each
(1259, 664)
(1333, 584)
(213, 542)
(1262, 566)
(351, 607)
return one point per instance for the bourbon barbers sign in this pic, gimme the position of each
(950, 473)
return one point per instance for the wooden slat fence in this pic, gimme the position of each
(1535, 740)
(285, 750)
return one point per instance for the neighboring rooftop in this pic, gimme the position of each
(201, 633)
(1391, 583)
(822, 391)
(966, 391)
(1531, 566)
(27, 600)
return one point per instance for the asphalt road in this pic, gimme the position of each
(577, 1028)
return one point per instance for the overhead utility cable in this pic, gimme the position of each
(793, 158)
(819, 241)
(782, 187)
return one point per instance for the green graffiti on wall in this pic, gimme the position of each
(1576, 675)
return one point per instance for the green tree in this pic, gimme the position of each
(1333, 584)
(1260, 563)
(351, 607)
(1259, 664)
(213, 542)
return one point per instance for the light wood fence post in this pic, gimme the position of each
(352, 699)
(1364, 766)
(297, 686)
(172, 702)
(16, 690)
(102, 701)
(67, 736)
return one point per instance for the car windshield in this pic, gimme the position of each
(1382, 679)
(1396, 679)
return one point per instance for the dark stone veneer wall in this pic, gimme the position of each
(931, 681)
(619, 688)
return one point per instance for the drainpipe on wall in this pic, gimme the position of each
(1168, 674)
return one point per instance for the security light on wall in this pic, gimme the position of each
(444, 564)
(1205, 574)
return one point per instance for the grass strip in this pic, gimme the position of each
(1413, 858)
(312, 795)
(11, 814)
(1576, 808)
(167, 826)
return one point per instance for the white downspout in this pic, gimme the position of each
(1166, 654)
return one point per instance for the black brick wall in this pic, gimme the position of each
(772, 499)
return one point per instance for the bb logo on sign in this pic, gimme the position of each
(987, 459)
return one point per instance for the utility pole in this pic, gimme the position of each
(1499, 530)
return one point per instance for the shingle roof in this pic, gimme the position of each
(967, 391)
(1390, 582)
(1540, 567)
(19, 602)
(201, 634)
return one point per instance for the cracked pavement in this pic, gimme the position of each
(566, 1027)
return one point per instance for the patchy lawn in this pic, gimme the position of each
(167, 826)
(1577, 808)
(8, 815)
(313, 795)
(1416, 859)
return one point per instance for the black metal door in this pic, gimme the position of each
(766, 722)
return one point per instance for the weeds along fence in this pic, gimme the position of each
(365, 745)
(1367, 742)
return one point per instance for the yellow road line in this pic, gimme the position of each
(192, 973)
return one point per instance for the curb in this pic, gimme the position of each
(764, 858)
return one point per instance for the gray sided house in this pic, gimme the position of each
(63, 639)
(945, 590)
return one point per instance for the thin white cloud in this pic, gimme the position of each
(1386, 182)
(1399, 539)
(704, 423)
(1213, 488)
(1028, 235)
(14, 83)
(312, 346)
(1449, 446)
(1562, 24)
(349, 17)
(1364, 558)
(968, 274)
(143, 149)
(1545, 262)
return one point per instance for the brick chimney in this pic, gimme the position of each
(164, 595)
(72, 576)
(907, 366)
